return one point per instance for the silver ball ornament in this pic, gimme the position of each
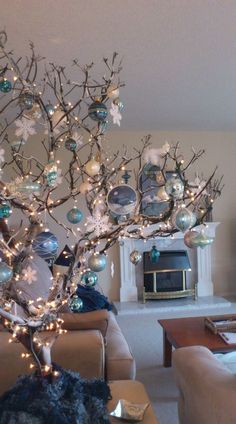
(6, 273)
(135, 257)
(97, 262)
(184, 219)
(174, 187)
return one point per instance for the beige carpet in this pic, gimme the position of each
(144, 336)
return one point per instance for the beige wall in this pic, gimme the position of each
(220, 150)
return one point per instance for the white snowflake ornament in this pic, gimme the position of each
(25, 128)
(29, 275)
(98, 224)
(115, 113)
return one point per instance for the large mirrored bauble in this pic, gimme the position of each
(76, 304)
(89, 279)
(45, 245)
(184, 219)
(189, 236)
(174, 187)
(5, 211)
(97, 262)
(6, 273)
(71, 144)
(122, 199)
(202, 240)
(27, 100)
(74, 215)
(97, 111)
(92, 167)
(135, 257)
(5, 86)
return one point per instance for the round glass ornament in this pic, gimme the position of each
(5, 85)
(119, 103)
(76, 304)
(174, 187)
(92, 167)
(74, 215)
(97, 111)
(6, 273)
(184, 219)
(202, 240)
(34, 112)
(97, 262)
(28, 186)
(50, 109)
(27, 100)
(71, 144)
(135, 257)
(189, 236)
(45, 245)
(122, 199)
(154, 255)
(89, 278)
(5, 211)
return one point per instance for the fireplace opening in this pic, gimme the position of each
(166, 279)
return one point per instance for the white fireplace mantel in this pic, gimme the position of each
(128, 288)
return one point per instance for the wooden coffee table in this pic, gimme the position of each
(183, 332)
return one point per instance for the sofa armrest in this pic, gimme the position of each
(207, 388)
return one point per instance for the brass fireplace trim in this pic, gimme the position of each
(170, 295)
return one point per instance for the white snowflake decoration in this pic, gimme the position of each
(29, 275)
(25, 128)
(98, 223)
(2, 158)
(155, 156)
(115, 113)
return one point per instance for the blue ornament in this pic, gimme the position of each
(154, 255)
(50, 109)
(74, 215)
(89, 278)
(97, 262)
(5, 86)
(76, 304)
(5, 211)
(98, 111)
(45, 245)
(6, 273)
(103, 126)
(71, 144)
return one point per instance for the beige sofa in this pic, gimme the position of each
(207, 387)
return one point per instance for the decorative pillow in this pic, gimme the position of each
(95, 320)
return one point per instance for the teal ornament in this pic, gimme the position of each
(5, 86)
(76, 304)
(45, 245)
(154, 255)
(103, 126)
(50, 109)
(51, 173)
(16, 144)
(119, 103)
(71, 144)
(89, 279)
(98, 111)
(6, 273)
(189, 236)
(184, 219)
(97, 262)
(202, 240)
(27, 100)
(174, 187)
(5, 211)
(74, 215)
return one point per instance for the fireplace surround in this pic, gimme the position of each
(131, 288)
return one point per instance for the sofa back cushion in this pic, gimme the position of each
(95, 320)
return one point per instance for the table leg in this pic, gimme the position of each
(167, 351)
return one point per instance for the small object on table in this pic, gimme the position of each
(221, 323)
(129, 411)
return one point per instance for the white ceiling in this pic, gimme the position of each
(179, 56)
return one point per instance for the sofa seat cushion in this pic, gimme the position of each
(228, 359)
(132, 391)
(120, 364)
(95, 320)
